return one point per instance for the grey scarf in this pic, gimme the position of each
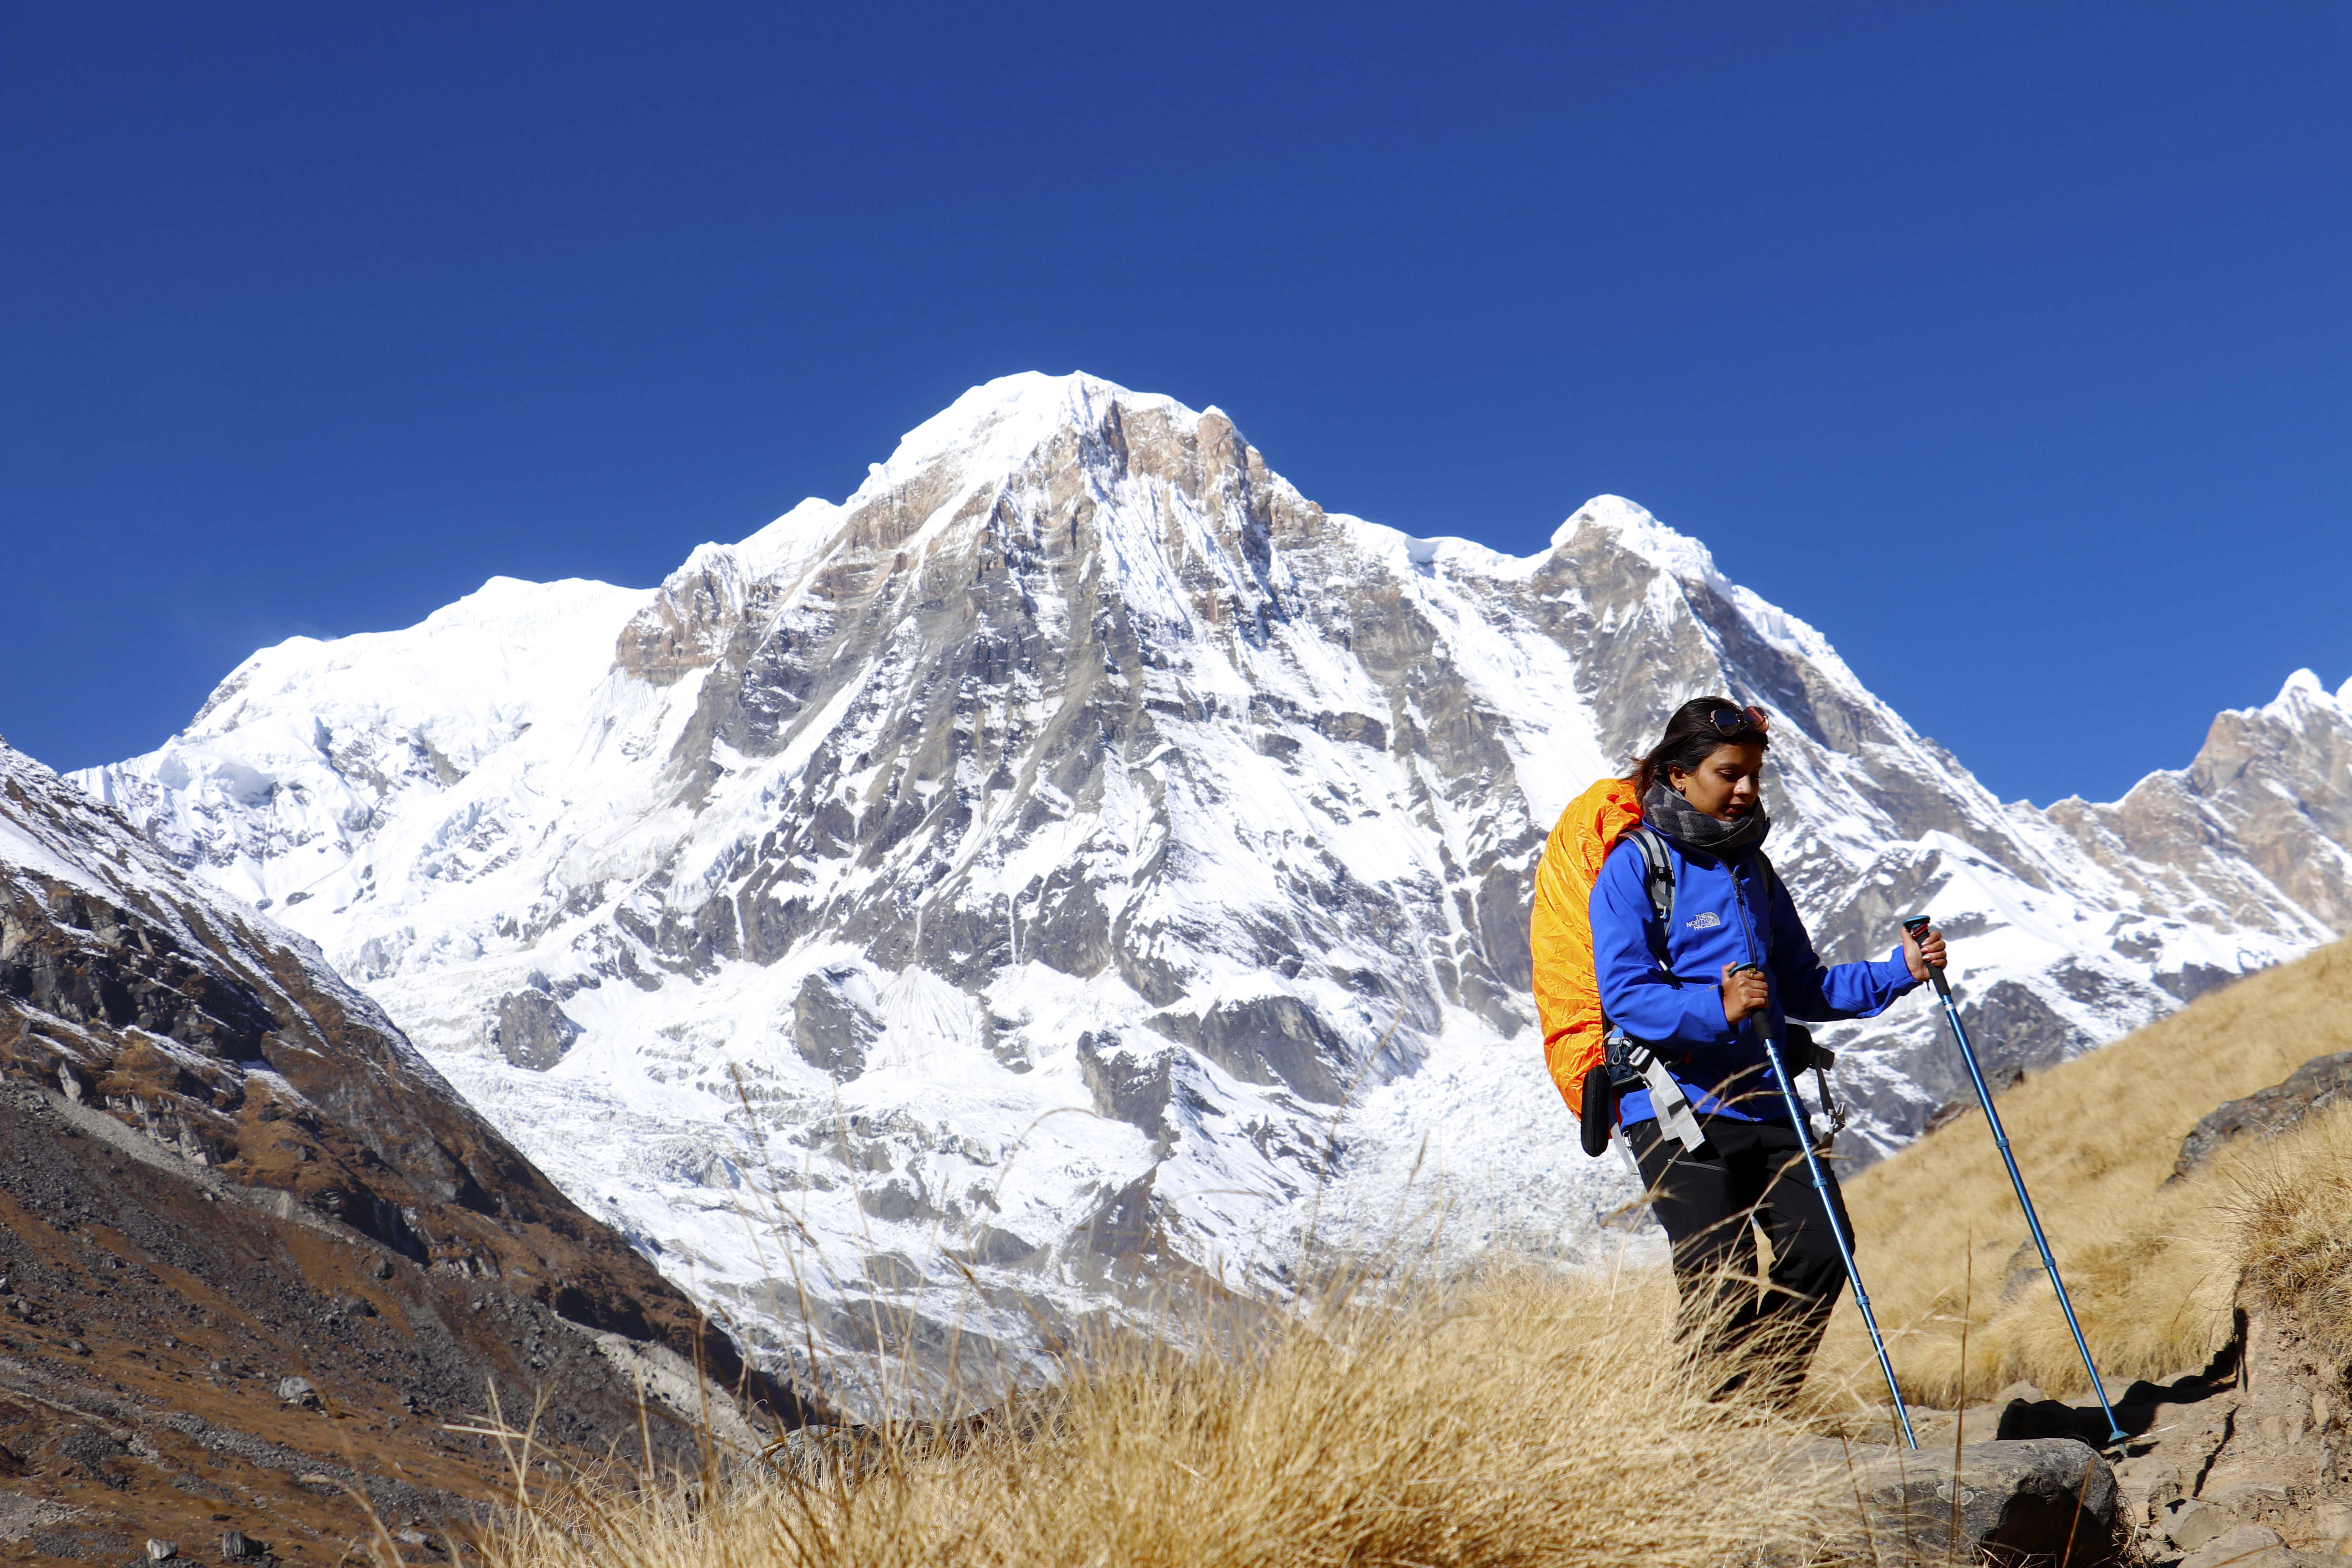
(1672, 815)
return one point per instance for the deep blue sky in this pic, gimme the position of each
(2011, 345)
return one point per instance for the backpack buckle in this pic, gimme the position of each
(1643, 1067)
(1625, 1071)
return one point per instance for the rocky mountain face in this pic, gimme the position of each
(254, 1253)
(1077, 863)
(2264, 810)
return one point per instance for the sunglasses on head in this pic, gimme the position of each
(1738, 721)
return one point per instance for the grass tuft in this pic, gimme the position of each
(2292, 1226)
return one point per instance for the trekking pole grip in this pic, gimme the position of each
(1916, 928)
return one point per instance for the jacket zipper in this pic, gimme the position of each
(1740, 903)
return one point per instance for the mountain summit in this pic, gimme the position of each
(1078, 763)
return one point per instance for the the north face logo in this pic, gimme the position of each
(1705, 920)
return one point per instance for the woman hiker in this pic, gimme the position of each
(1675, 989)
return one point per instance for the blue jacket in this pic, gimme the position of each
(1665, 987)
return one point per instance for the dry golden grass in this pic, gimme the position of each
(1519, 1419)
(2152, 1268)
(2290, 1222)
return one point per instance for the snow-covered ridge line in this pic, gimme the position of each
(1076, 854)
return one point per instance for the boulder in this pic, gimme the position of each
(2045, 1501)
(2320, 1082)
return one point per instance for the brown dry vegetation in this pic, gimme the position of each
(1522, 1419)
(2152, 1268)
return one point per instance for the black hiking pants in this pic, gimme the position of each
(1748, 1175)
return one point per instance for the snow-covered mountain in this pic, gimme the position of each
(1079, 861)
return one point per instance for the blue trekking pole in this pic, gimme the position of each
(1829, 1210)
(1917, 926)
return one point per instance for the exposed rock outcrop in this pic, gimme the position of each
(2319, 1083)
(534, 1030)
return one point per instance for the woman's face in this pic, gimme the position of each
(1727, 785)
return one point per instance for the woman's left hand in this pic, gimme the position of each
(1923, 952)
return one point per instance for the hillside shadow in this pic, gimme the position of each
(2136, 1411)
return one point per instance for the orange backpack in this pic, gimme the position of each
(1568, 991)
(1559, 930)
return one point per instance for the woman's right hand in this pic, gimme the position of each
(1744, 993)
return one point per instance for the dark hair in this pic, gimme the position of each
(1692, 735)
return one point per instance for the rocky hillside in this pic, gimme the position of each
(255, 1254)
(1079, 857)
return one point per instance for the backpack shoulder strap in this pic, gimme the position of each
(1657, 873)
